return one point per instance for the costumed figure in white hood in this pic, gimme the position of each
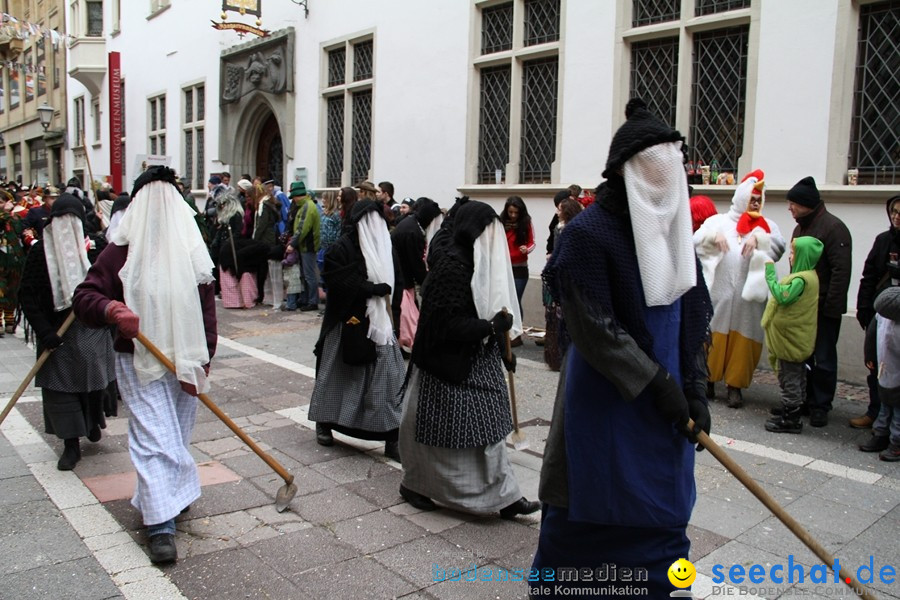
(457, 412)
(78, 380)
(359, 369)
(733, 248)
(156, 277)
(617, 482)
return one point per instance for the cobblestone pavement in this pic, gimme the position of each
(350, 535)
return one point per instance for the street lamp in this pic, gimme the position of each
(45, 114)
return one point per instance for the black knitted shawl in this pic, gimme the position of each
(597, 257)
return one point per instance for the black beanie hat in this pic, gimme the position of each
(66, 204)
(641, 130)
(153, 173)
(805, 193)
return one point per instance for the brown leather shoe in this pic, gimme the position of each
(863, 422)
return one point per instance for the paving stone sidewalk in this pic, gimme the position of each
(348, 533)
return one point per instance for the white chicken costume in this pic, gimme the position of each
(737, 283)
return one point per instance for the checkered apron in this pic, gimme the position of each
(238, 294)
(159, 437)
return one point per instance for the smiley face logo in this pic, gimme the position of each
(682, 573)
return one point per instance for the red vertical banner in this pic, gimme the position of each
(116, 126)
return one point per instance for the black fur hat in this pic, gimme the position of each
(641, 130)
(154, 173)
(66, 204)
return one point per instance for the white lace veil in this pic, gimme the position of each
(166, 261)
(661, 221)
(66, 256)
(375, 243)
(493, 286)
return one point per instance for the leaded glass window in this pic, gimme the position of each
(94, 19)
(335, 141)
(493, 126)
(539, 99)
(201, 149)
(336, 66)
(497, 28)
(875, 133)
(362, 61)
(646, 12)
(361, 133)
(718, 96)
(654, 76)
(188, 105)
(541, 21)
(188, 154)
(709, 7)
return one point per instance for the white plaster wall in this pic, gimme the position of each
(796, 54)
(421, 69)
(586, 98)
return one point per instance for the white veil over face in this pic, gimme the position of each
(375, 243)
(66, 256)
(661, 222)
(493, 286)
(167, 260)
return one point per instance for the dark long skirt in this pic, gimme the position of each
(565, 543)
(72, 415)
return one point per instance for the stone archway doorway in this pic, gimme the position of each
(270, 151)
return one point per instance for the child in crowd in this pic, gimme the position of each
(883, 357)
(790, 325)
(292, 279)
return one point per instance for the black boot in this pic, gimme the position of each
(162, 549)
(876, 443)
(94, 435)
(416, 499)
(392, 450)
(522, 506)
(323, 435)
(788, 422)
(70, 456)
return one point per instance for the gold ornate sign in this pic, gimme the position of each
(244, 7)
(240, 28)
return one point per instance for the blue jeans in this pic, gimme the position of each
(310, 274)
(888, 423)
(821, 379)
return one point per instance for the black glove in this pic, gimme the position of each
(509, 364)
(668, 398)
(381, 289)
(864, 316)
(699, 412)
(501, 323)
(51, 341)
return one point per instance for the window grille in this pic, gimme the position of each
(334, 158)
(718, 96)
(336, 66)
(362, 61)
(188, 105)
(497, 28)
(709, 7)
(539, 86)
(193, 135)
(654, 76)
(875, 132)
(188, 155)
(360, 145)
(94, 19)
(646, 12)
(541, 21)
(201, 149)
(157, 134)
(493, 126)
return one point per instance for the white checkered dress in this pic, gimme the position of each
(159, 436)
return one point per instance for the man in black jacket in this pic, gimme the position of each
(881, 271)
(833, 269)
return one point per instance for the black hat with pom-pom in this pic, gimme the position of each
(641, 130)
